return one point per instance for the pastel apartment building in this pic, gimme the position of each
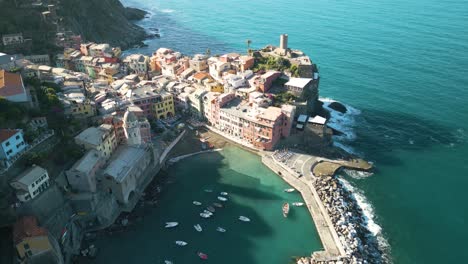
(30, 183)
(265, 81)
(100, 138)
(34, 244)
(154, 102)
(12, 88)
(256, 126)
(137, 63)
(12, 144)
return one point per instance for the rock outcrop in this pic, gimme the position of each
(338, 107)
(103, 21)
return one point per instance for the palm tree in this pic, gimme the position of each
(248, 42)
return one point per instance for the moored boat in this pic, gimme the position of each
(220, 229)
(205, 215)
(208, 190)
(171, 224)
(181, 243)
(202, 255)
(244, 219)
(167, 262)
(289, 190)
(196, 203)
(298, 204)
(218, 205)
(222, 198)
(211, 209)
(285, 209)
(224, 193)
(198, 227)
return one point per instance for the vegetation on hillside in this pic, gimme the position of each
(283, 98)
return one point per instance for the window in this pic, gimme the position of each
(17, 137)
(7, 144)
(26, 246)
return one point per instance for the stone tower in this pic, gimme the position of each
(284, 41)
(132, 129)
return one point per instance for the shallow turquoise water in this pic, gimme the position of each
(254, 191)
(403, 64)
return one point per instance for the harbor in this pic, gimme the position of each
(252, 191)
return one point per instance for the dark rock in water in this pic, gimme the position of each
(338, 107)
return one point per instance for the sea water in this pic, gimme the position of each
(402, 65)
(253, 191)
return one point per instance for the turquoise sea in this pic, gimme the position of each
(401, 65)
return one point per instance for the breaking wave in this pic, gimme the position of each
(368, 215)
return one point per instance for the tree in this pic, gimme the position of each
(248, 42)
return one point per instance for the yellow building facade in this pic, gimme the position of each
(164, 108)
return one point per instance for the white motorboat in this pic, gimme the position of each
(244, 219)
(224, 193)
(196, 203)
(222, 198)
(168, 262)
(171, 224)
(198, 227)
(181, 243)
(207, 212)
(220, 229)
(204, 215)
(298, 204)
(208, 190)
(289, 190)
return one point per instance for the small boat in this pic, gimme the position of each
(196, 203)
(224, 193)
(198, 227)
(298, 204)
(289, 190)
(171, 224)
(202, 255)
(204, 215)
(211, 209)
(222, 198)
(181, 243)
(220, 229)
(168, 262)
(208, 190)
(218, 205)
(207, 212)
(244, 219)
(285, 209)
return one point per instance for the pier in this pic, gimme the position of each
(333, 249)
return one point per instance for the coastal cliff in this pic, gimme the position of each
(103, 21)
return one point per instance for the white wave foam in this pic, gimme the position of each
(368, 214)
(345, 123)
(167, 11)
(358, 174)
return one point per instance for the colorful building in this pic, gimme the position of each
(11, 145)
(100, 138)
(33, 243)
(30, 183)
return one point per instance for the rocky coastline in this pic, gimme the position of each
(349, 222)
(104, 21)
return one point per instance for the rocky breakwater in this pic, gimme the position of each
(360, 245)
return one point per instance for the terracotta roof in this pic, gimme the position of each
(25, 227)
(7, 133)
(10, 84)
(201, 75)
